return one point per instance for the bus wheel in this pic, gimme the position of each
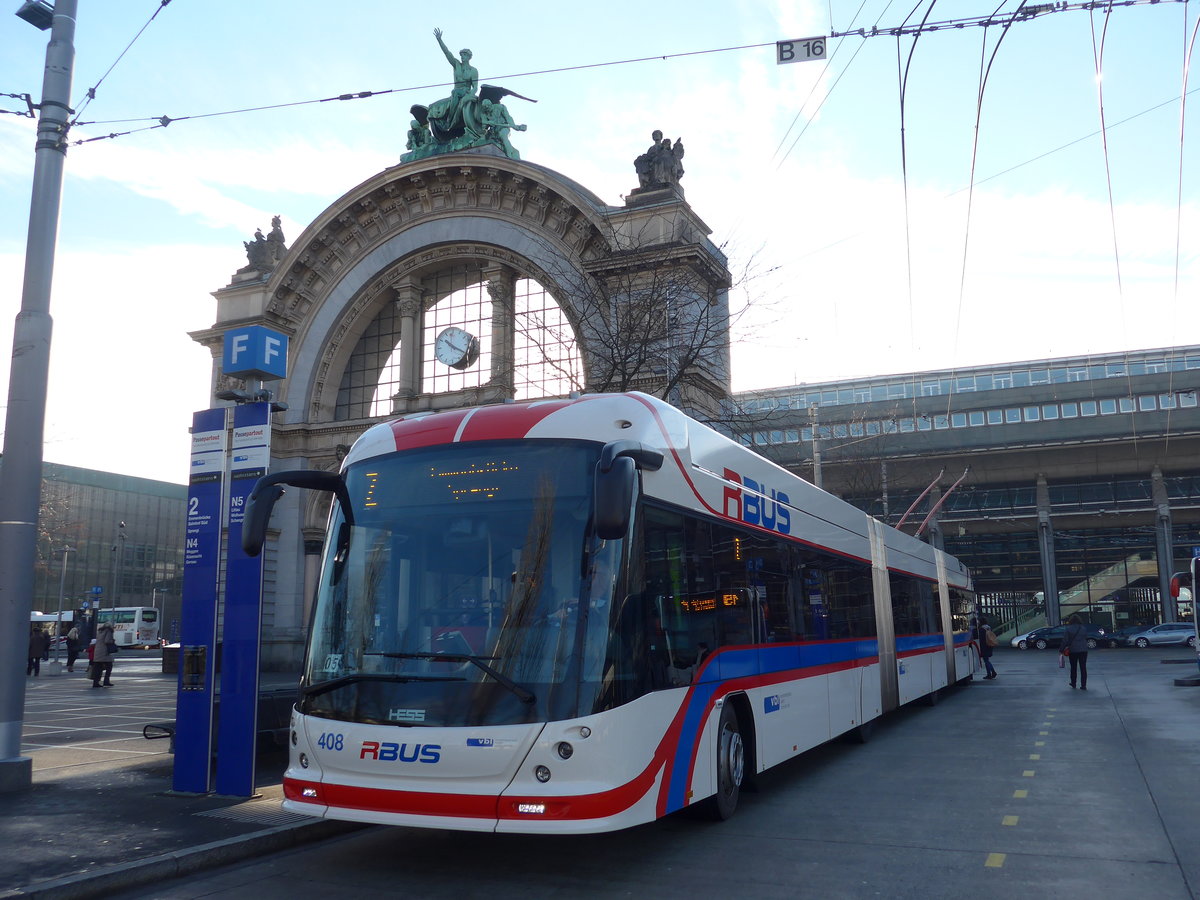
(731, 763)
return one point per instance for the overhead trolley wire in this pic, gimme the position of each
(91, 92)
(984, 71)
(902, 76)
(164, 121)
(1189, 45)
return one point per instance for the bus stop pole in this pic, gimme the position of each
(21, 465)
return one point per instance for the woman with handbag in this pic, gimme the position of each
(1075, 648)
(102, 659)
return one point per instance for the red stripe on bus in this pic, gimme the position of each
(475, 806)
(495, 423)
(426, 431)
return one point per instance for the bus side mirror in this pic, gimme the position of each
(613, 497)
(268, 490)
(612, 493)
(256, 517)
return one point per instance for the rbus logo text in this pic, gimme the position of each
(747, 506)
(389, 752)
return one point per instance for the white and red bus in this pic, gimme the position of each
(133, 626)
(580, 615)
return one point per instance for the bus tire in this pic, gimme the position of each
(731, 763)
(932, 698)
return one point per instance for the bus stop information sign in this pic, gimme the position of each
(198, 619)
(243, 608)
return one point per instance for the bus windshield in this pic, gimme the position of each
(467, 589)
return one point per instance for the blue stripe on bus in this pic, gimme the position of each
(762, 661)
(908, 643)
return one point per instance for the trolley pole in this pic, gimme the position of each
(21, 465)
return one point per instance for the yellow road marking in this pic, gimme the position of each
(1039, 743)
(1028, 773)
(1021, 794)
(994, 860)
(1035, 756)
(1009, 820)
(1043, 733)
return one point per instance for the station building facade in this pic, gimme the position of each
(1073, 478)
(124, 537)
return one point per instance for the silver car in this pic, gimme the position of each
(1167, 633)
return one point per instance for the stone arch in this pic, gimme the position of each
(371, 247)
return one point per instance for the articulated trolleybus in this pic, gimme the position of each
(580, 615)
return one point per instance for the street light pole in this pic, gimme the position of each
(25, 421)
(56, 666)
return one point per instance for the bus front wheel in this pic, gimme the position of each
(731, 763)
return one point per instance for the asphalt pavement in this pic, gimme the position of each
(1007, 787)
(101, 814)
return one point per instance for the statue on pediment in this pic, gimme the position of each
(472, 116)
(661, 166)
(265, 251)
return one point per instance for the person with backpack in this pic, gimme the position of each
(986, 641)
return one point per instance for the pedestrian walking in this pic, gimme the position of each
(1075, 648)
(104, 649)
(72, 648)
(985, 640)
(39, 646)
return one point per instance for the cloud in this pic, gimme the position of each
(124, 375)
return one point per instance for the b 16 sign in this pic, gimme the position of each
(799, 50)
(256, 352)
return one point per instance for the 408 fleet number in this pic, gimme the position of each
(330, 741)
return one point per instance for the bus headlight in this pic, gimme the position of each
(542, 774)
(565, 750)
(304, 760)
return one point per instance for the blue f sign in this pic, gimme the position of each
(256, 352)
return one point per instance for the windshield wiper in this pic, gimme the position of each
(523, 695)
(326, 686)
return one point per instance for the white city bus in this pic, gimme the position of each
(581, 615)
(133, 626)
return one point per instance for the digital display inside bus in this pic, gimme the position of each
(479, 479)
(710, 603)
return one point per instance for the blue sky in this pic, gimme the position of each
(796, 168)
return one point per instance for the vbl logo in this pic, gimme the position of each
(753, 509)
(390, 752)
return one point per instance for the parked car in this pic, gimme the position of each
(1044, 638)
(1166, 633)
(1021, 641)
(1118, 638)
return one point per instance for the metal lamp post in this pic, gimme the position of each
(55, 667)
(21, 474)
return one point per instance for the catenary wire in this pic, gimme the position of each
(984, 71)
(163, 121)
(902, 71)
(91, 92)
(1188, 46)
